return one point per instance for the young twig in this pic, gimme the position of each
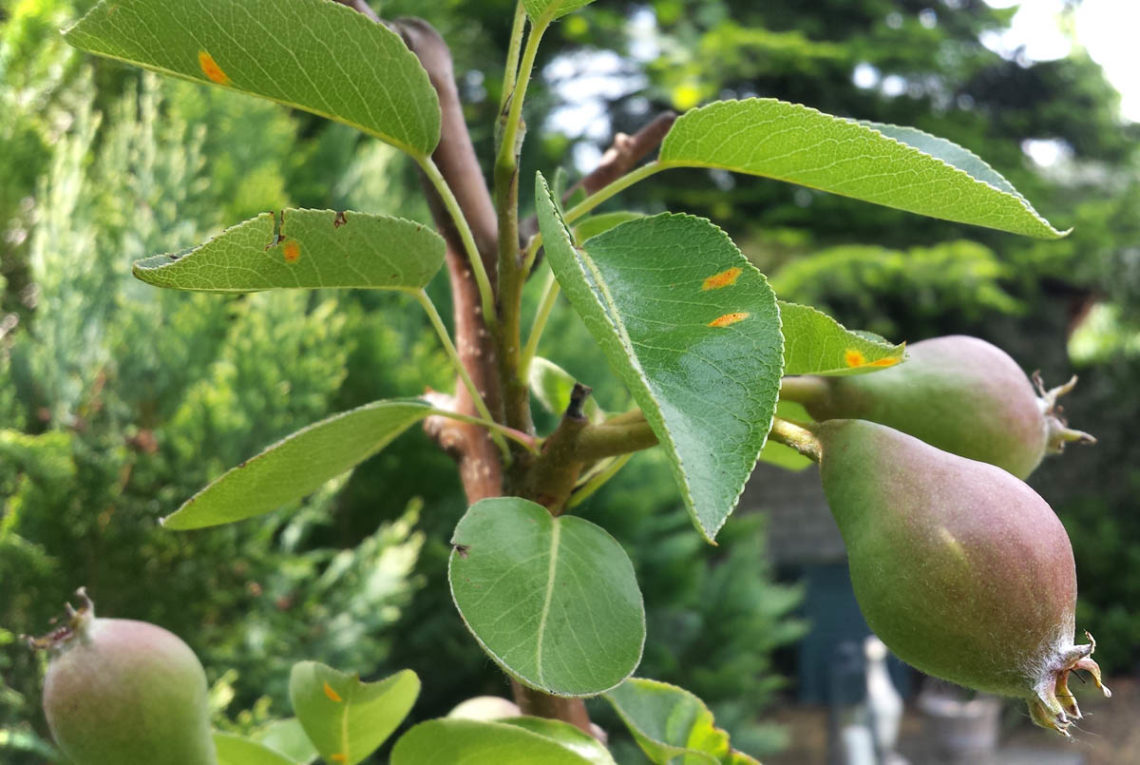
(797, 437)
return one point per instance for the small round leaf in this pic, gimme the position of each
(553, 600)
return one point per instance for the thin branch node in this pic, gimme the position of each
(578, 397)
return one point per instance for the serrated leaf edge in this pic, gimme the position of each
(1056, 233)
(882, 343)
(676, 750)
(677, 464)
(142, 269)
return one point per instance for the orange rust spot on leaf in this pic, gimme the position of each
(338, 757)
(854, 358)
(723, 279)
(211, 69)
(729, 318)
(888, 362)
(292, 251)
(333, 695)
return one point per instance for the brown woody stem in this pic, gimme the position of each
(539, 704)
(480, 467)
(622, 156)
(625, 152)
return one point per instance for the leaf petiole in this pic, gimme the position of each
(528, 442)
(550, 292)
(619, 185)
(448, 346)
(598, 480)
(511, 71)
(486, 293)
(589, 203)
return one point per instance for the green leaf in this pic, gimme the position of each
(287, 737)
(554, 601)
(551, 385)
(599, 224)
(894, 167)
(311, 249)
(947, 151)
(782, 456)
(451, 741)
(298, 464)
(311, 54)
(569, 736)
(669, 722)
(692, 329)
(545, 11)
(347, 720)
(235, 750)
(816, 344)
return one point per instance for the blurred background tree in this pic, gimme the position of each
(118, 401)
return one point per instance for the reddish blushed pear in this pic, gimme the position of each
(119, 691)
(959, 567)
(960, 394)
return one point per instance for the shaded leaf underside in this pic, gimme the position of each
(304, 249)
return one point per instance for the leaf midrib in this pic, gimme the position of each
(552, 572)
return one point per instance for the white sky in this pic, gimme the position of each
(1107, 29)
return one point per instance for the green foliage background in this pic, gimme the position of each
(117, 400)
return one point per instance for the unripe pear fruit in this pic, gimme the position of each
(958, 393)
(960, 568)
(122, 692)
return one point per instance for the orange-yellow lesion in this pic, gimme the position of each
(333, 695)
(729, 318)
(854, 358)
(211, 69)
(291, 251)
(723, 279)
(338, 757)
